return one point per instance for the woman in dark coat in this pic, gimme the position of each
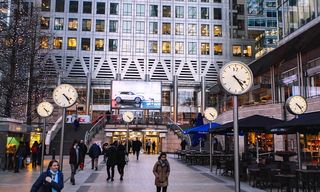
(82, 153)
(161, 171)
(50, 180)
(121, 159)
(74, 160)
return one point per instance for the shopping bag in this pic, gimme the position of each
(28, 160)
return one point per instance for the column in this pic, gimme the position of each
(88, 92)
(175, 98)
(203, 94)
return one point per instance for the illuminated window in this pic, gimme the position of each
(126, 45)
(45, 5)
(72, 43)
(217, 31)
(179, 29)
(87, 7)
(113, 45)
(166, 28)
(247, 50)
(99, 44)
(204, 13)
(57, 43)
(45, 22)
(179, 47)
(166, 11)
(166, 47)
(86, 25)
(153, 27)
(114, 8)
(179, 12)
(44, 42)
(126, 27)
(192, 48)
(140, 46)
(127, 9)
(217, 48)
(58, 24)
(153, 10)
(192, 12)
(192, 29)
(204, 30)
(140, 10)
(73, 24)
(153, 46)
(236, 50)
(113, 26)
(101, 8)
(73, 7)
(205, 48)
(140, 27)
(100, 25)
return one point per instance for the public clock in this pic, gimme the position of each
(65, 95)
(236, 78)
(45, 109)
(128, 116)
(210, 114)
(296, 105)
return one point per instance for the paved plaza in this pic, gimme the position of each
(138, 178)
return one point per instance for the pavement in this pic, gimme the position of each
(138, 177)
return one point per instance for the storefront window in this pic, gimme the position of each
(165, 98)
(101, 96)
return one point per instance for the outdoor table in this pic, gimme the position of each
(286, 180)
(310, 179)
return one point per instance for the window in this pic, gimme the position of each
(236, 50)
(101, 96)
(204, 13)
(140, 10)
(60, 6)
(179, 47)
(87, 7)
(45, 5)
(217, 14)
(179, 12)
(140, 46)
(114, 8)
(247, 51)
(153, 27)
(179, 29)
(45, 22)
(101, 8)
(192, 48)
(99, 44)
(126, 45)
(113, 44)
(217, 49)
(217, 31)
(153, 10)
(192, 12)
(166, 47)
(126, 27)
(127, 9)
(165, 98)
(58, 24)
(72, 43)
(192, 0)
(192, 29)
(140, 27)
(113, 26)
(100, 25)
(73, 7)
(86, 25)
(205, 1)
(205, 30)
(217, 1)
(153, 46)
(57, 43)
(73, 24)
(166, 28)
(205, 49)
(44, 42)
(166, 11)
(85, 44)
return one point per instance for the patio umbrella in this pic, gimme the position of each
(201, 128)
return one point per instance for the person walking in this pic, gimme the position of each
(34, 153)
(82, 153)
(148, 146)
(94, 153)
(153, 147)
(137, 147)
(161, 171)
(105, 146)
(76, 124)
(183, 144)
(74, 160)
(121, 160)
(50, 180)
(111, 160)
(133, 147)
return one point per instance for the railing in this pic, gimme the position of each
(178, 130)
(138, 120)
(53, 132)
(94, 130)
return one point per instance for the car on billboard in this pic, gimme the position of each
(128, 96)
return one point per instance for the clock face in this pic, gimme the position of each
(65, 95)
(236, 78)
(45, 109)
(128, 116)
(210, 114)
(296, 105)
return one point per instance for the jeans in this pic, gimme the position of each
(112, 171)
(164, 189)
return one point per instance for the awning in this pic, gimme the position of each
(201, 129)
(304, 123)
(256, 123)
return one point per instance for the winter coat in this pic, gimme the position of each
(41, 185)
(74, 157)
(121, 153)
(161, 173)
(82, 152)
(111, 154)
(94, 151)
(137, 145)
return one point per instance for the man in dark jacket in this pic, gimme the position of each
(121, 159)
(137, 146)
(94, 153)
(82, 153)
(74, 160)
(111, 155)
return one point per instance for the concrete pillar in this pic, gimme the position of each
(175, 98)
(118, 76)
(273, 84)
(88, 102)
(203, 94)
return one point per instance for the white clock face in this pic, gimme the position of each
(65, 95)
(296, 105)
(236, 77)
(128, 116)
(210, 114)
(45, 109)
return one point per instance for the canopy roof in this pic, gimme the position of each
(201, 129)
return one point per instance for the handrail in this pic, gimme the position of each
(94, 130)
(53, 131)
(171, 123)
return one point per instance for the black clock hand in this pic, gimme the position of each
(211, 115)
(46, 110)
(240, 83)
(129, 117)
(66, 98)
(299, 106)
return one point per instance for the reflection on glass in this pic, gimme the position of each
(99, 44)
(166, 47)
(57, 43)
(72, 43)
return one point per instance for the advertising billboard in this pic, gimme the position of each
(136, 95)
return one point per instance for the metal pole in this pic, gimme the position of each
(127, 139)
(257, 148)
(210, 140)
(43, 145)
(236, 143)
(298, 151)
(62, 139)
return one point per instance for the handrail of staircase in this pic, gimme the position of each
(174, 125)
(94, 130)
(53, 132)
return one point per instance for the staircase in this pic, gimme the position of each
(178, 131)
(69, 136)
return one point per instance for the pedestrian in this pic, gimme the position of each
(183, 144)
(148, 146)
(133, 147)
(76, 124)
(137, 147)
(74, 160)
(121, 159)
(105, 146)
(19, 156)
(161, 171)
(94, 153)
(50, 180)
(153, 147)
(111, 155)
(82, 153)
(34, 153)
